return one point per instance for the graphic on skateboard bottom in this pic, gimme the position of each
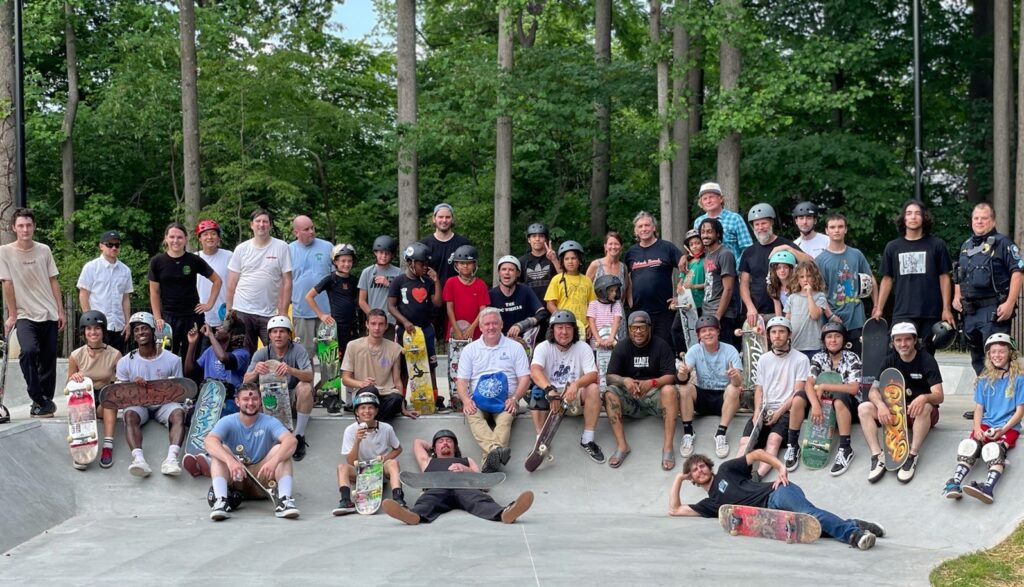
(369, 486)
(207, 410)
(542, 447)
(896, 436)
(790, 527)
(82, 431)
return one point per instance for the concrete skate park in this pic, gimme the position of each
(589, 522)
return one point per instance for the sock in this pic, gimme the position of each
(172, 451)
(993, 478)
(284, 486)
(794, 437)
(961, 471)
(346, 493)
(688, 428)
(220, 487)
(108, 442)
(844, 441)
(588, 436)
(137, 454)
(721, 430)
(301, 421)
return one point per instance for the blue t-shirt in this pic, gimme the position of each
(214, 369)
(711, 367)
(998, 401)
(309, 265)
(839, 270)
(256, 440)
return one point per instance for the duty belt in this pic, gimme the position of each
(985, 301)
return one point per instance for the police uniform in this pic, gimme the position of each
(986, 264)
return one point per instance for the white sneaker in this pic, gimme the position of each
(686, 447)
(721, 446)
(139, 468)
(170, 467)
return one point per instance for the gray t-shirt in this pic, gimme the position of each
(806, 332)
(295, 357)
(376, 282)
(716, 264)
(711, 367)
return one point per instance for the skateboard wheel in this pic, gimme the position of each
(239, 449)
(734, 533)
(70, 438)
(93, 436)
(66, 391)
(551, 458)
(543, 448)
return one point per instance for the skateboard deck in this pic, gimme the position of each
(420, 392)
(207, 410)
(329, 389)
(603, 357)
(165, 337)
(755, 432)
(455, 346)
(268, 487)
(118, 396)
(5, 414)
(687, 309)
(815, 439)
(450, 480)
(82, 431)
(369, 486)
(277, 400)
(790, 527)
(755, 344)
(875, 344)
(896, 437)
(542, 447)
(529, 340)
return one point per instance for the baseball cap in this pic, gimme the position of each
(639, 317)
(109, 236)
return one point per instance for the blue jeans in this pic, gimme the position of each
(792, 499)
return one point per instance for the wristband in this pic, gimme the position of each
(654, 382)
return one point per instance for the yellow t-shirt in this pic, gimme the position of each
(573, 293)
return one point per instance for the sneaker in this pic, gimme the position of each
(286, 508)
(300, 448)
(877, 469)
(593, 451)
(504, 454)
(721, 446)
(980, 491)
(139, 468)
(872, 527)
(79, 466)
(862, 539)
(952, 490)
(398, 496)
(220, 510)
(686, 447)
(492, 464)
(792, 458)
(440, 407)
(107, 457)
(400, 513)
(43, 411)
(170, 467)
(517, 508)
(196, 465)
(844, 456)
(34, 410)
(345, 507)
(333, 404)
(906, 472)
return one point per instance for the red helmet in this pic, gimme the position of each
(205, 225)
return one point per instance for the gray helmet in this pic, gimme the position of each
(707, 322)
(510, 259)
(465, 253)
(604, 283)
(92, 318)
(805, 209)
(834, 327)
(759, 211)
(385, 243)
(570, 246)
(445, 433)
(562, 317)
(943, 334)
(537, 228)
(417, 252)
(692, 233)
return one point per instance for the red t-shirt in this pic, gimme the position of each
(466, 299)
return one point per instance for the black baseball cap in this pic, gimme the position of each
(110, 236)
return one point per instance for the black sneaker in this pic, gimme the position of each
(792, 458)
(877, 469)
(235, 499)
(593, 451)
(980, 491)
(439, 406)
(398, 496)
(906, 472)
(492, 464)
(345, 507)
(300, 448)
(844, 456)
(219, 510)
(862, 540)
(872, 527)
(286, 508)
(333, 404)
(34, 410)
(504, 453)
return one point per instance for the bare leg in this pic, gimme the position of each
(844, 419)
(670, 405)
(771, 447)
(868, 413)
(539, 417)
(591, 398)
(922, 425)
(730, 403)
(176, 427)
(687, 397)
(613, 406)
(132, 430)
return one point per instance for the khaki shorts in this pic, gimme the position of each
(633, 407)
(249, 489)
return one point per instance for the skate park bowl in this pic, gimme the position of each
(589, 522)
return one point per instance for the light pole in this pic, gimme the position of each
(918, 151)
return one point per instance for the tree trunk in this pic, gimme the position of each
(408, 175)
(68, 126)
(8, 162)
(503, 150)
(729, 146)
(1018, 224)
(600, 163)
(189, 113)
(668, 220)
(979, 93)
(680, 130)
(1002, 113)
(695, 83)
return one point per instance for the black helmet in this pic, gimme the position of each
(537, 228)
(385, 243)
(445, 433)
(570, 246)
(707, 322)
(834, 327)
(417, 252)
(805, 209)
(93, 318)
(943, 335)
(465, 253)
(604, 283)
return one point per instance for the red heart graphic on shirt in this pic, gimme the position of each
(419, 294)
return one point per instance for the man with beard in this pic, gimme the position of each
(719, 280)
(442, 245)
(754, 264)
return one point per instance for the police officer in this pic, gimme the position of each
(988, 281)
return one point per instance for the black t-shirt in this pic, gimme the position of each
(732, 485)
(441, 254)
(919, 374)
(650, 273)
(177, 279)
(343, 293)
(755, 262)
(915, 267)
(537, 273)
(414, 298)
(650, 362)
(522, 304)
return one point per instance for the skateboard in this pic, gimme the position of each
(329, 390)
(816, 440)
(165, 336)
(5, 414)
(542, 448)
(450, 480)
(118, 396)
(603, 357)
(529, 340)
(267, 487)
(455, 346)
(420, 392)
(276, 397)
(687, 309)
(759, 420)
(207, 410)
(875, 344)
(755, 344)
(896, 441)
(745, 520)
(369, 486)
(82, 431)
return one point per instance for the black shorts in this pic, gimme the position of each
(709, 402)
(850, 401)
(781, 428)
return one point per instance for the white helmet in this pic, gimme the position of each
(143, 318)
(779, 321)
(510, 259)
(1000, 337)
(343, 249)
(279, 322)
(864, 285)
(903, 328)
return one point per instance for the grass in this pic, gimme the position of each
(1000, 566)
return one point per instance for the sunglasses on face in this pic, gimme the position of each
(112, 245)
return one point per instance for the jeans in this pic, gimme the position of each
(792, 499)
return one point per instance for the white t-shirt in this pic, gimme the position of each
(376, 444)
(562, 368)
(260, 275)
(107, 283)
(165, 365)
(219, 263)
(508, 357)
(814, 246)
(778, 376)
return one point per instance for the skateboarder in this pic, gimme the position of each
(520, 308)
(412, 298)
(571, 289)
(754, 263)
(563, 365)
(652, 262)
(999, 407)
(375, 280)
(805, 215)
(97, 361)
(834, 357)
(265, 442)
(442, 244)
(225, 359)
(710, 382)
(719, 280)
(443, 454)
(342, 289)
(733, 484)
(295, 364)
(367, 439)
(841, 267)
(105, 284)
(605, 314)
(924, 395)
(374, 362)
(540, 264)
(150, 362)
(465, 295)
(209, 234)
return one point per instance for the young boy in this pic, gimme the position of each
(367, 439)
(465, 295)
(605, 312)
(411, 300)
(375, 280)
(570, 290)
(342, 293)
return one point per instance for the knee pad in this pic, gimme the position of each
(993, 453)
(967, 451)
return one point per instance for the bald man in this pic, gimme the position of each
(311, 262)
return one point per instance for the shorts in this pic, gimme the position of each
(1009, 439)
(161, 413)
(934, 420)
(632, 407)
(781, 428)
(709, 402)
(850, 401)
(249, 489)
(539, 402)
